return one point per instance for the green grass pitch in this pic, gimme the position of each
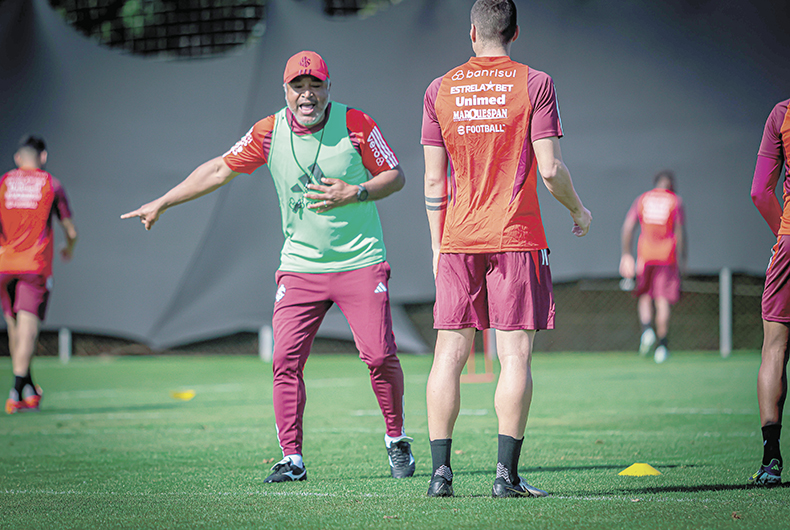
(112, 449)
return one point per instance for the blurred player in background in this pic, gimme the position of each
(329, 163)
(772, 377)
(29, 197)
(495, 122)
(660, 259)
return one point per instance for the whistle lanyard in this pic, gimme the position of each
(293, 153)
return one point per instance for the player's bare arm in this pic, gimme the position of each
(206, 178)
(681, 246)
(766, 177)
(558, 181)
(70, 231)
(334, 193)
(435, 196)
(627, 262)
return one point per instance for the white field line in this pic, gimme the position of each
(172, 493)
(199, 389)
(706, 412)
(169, 431)
(110, 416)
(370, 412)
(333, 382)
(473, 412)
(636, 434)
(587, 498)
(124, 391)
(462, 412)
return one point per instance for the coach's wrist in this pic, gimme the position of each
(362, 193)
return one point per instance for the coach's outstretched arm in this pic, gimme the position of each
(557, 179)
(205, 179)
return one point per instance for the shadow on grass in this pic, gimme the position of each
(645, 491)
(700, 489)
(655, 490)
(424, 470)
(554, 469)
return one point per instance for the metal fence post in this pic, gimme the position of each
(489, 343)
(64, 344)
(725, 312)
(266, 343)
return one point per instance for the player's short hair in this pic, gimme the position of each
(495, 20)
(32, 142)
(665, 174)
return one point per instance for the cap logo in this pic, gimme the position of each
(304, 62)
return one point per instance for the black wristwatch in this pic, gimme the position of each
(362, 193)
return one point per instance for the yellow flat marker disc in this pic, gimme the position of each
(183, 395)
(639, 470)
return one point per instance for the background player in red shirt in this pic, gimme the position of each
(661, 256)
(495, 122)
(29, 197)
(772, 377)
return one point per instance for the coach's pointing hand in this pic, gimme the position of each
(148, 214)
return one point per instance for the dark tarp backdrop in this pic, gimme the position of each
(642, 86)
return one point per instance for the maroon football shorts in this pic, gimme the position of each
(659, 281)
(503, 290)
(24, 292)
(776, 296)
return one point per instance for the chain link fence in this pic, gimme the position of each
(595, 315)
(592, 315)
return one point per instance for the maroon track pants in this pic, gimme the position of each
(301, 304)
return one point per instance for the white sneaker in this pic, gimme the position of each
(648, 339)
(661, 354)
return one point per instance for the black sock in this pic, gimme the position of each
(508, 453)
(645, 327)
(771, 443)
(28, 380)
(440, 454)
(663, 342)
(19, 384)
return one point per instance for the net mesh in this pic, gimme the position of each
(166, 28)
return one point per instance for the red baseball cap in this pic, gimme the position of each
(305, 63)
